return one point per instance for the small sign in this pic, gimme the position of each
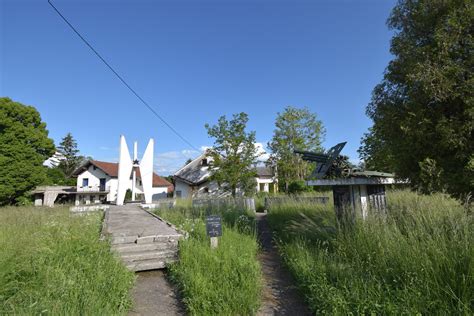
(214, 226)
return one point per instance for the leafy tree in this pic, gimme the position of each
(423, 110)
(24, 145)
(296, 129)
(55, 176)
(234, 154)
(68, 148)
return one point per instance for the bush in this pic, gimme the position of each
(298, 187)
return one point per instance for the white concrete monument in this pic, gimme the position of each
(128, 167)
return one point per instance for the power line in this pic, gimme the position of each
(120, 77)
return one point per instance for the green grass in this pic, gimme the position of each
(222, 281)
(52, 262)
(417, 260)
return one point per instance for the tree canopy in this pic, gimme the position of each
(423, 110)
(24, 146)
(295, 129)
(234, 154)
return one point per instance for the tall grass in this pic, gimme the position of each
(222, 281)
(417, 259)
(53, 263)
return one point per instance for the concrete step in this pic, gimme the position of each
(147, 265)
(127, 239)
(133, 247)
(149, 255)
(115, 240)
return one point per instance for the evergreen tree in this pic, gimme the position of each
(68, 148)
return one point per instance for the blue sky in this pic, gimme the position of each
(193, 61)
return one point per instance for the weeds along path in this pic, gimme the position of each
(280, 296)
(153, 295)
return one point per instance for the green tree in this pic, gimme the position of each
(24, 146)
(423, 110)
(68, 148)
(55, 176)
(295, 129)
(234, 154)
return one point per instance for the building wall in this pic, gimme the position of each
(94, 176)
(182, 189)
(206, 189)
(266, 184)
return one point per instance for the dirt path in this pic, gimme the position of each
(280, 296)
(153, 295)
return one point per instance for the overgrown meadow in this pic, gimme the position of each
(222, 281)
(419, 259)
(52, 263)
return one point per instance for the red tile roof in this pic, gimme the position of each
(111, 168)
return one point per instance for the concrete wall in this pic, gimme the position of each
(182, 187)
(206, 189)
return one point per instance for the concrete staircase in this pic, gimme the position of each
(146, 253)
(142, 240)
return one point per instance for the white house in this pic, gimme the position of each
(97, 182)
(193, 180)
(266, 180)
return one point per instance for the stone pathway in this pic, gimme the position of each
(142, 240)
(280, 296)
(145, 242)
(130, 220)
(154, 295)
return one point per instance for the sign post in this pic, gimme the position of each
(214, 229)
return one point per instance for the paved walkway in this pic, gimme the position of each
(280, 295)
(130, 220)
(153, 295)
(145, 242)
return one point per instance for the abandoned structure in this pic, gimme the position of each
(193, 180)
(357, 192)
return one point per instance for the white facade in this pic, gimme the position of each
(268, 185)
(208, 188)
(95, 185)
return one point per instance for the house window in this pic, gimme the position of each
(85, 182)
(204, 162)
(206, 190)
(95, 168)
